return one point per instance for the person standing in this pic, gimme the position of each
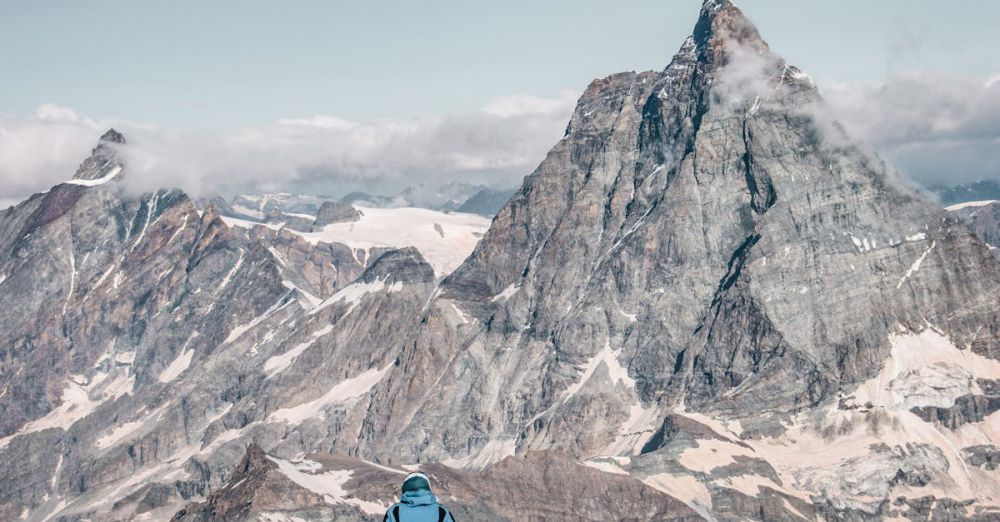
(417, 503)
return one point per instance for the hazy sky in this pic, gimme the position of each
(223, 64)
(224, 94)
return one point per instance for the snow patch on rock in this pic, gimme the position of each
(279, 363)
(352, 294)
(341, 392)
(79, 399)
(112, 174)
(968, 204)
(494, 451)
(329, 484)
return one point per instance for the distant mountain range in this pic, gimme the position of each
(976, 191)
(454, 196)
(457, 197)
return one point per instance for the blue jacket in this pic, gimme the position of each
(418, 506)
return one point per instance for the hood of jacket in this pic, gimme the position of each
(420, 497)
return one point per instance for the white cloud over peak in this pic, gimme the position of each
(42, 150)
(498, 144)
(936, 128)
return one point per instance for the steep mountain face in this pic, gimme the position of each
(135, 324)
(703, 240)
(705, 295)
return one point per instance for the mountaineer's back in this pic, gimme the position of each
(417, 503)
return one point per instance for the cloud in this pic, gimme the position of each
(932, 127)
(748, 75)
(936, 128)
(42, 150)
(52, 113)
(496, 145)
(522, 105)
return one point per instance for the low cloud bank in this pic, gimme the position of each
(934, 128)
(496, 145)
(937, 129)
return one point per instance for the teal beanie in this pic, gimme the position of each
(416, 482)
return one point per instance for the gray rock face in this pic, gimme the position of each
(365, 199)
(733, 256)
(486, 202)
(986, 456)
(136, 324)
(335, 212)
(297, 222)
(706, 291)
(965, 409)
(691, 244)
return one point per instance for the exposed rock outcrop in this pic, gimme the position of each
(335, 212)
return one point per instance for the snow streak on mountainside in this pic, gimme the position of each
(707, 300)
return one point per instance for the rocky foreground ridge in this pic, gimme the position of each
(707, 299)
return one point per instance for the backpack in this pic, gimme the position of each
(442, 514)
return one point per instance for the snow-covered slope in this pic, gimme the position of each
(444, 239)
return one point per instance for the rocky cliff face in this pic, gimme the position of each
(703, 240)
(135, 324)
(706, 291)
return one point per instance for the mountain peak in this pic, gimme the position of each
(403, 265)
(721, 25)
(103, 159)
(113, 136)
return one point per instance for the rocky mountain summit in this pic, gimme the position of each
(335, 212)
(706, 302)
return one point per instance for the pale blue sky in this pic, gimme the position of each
(222, 64)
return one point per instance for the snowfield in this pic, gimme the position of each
(444, 239)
